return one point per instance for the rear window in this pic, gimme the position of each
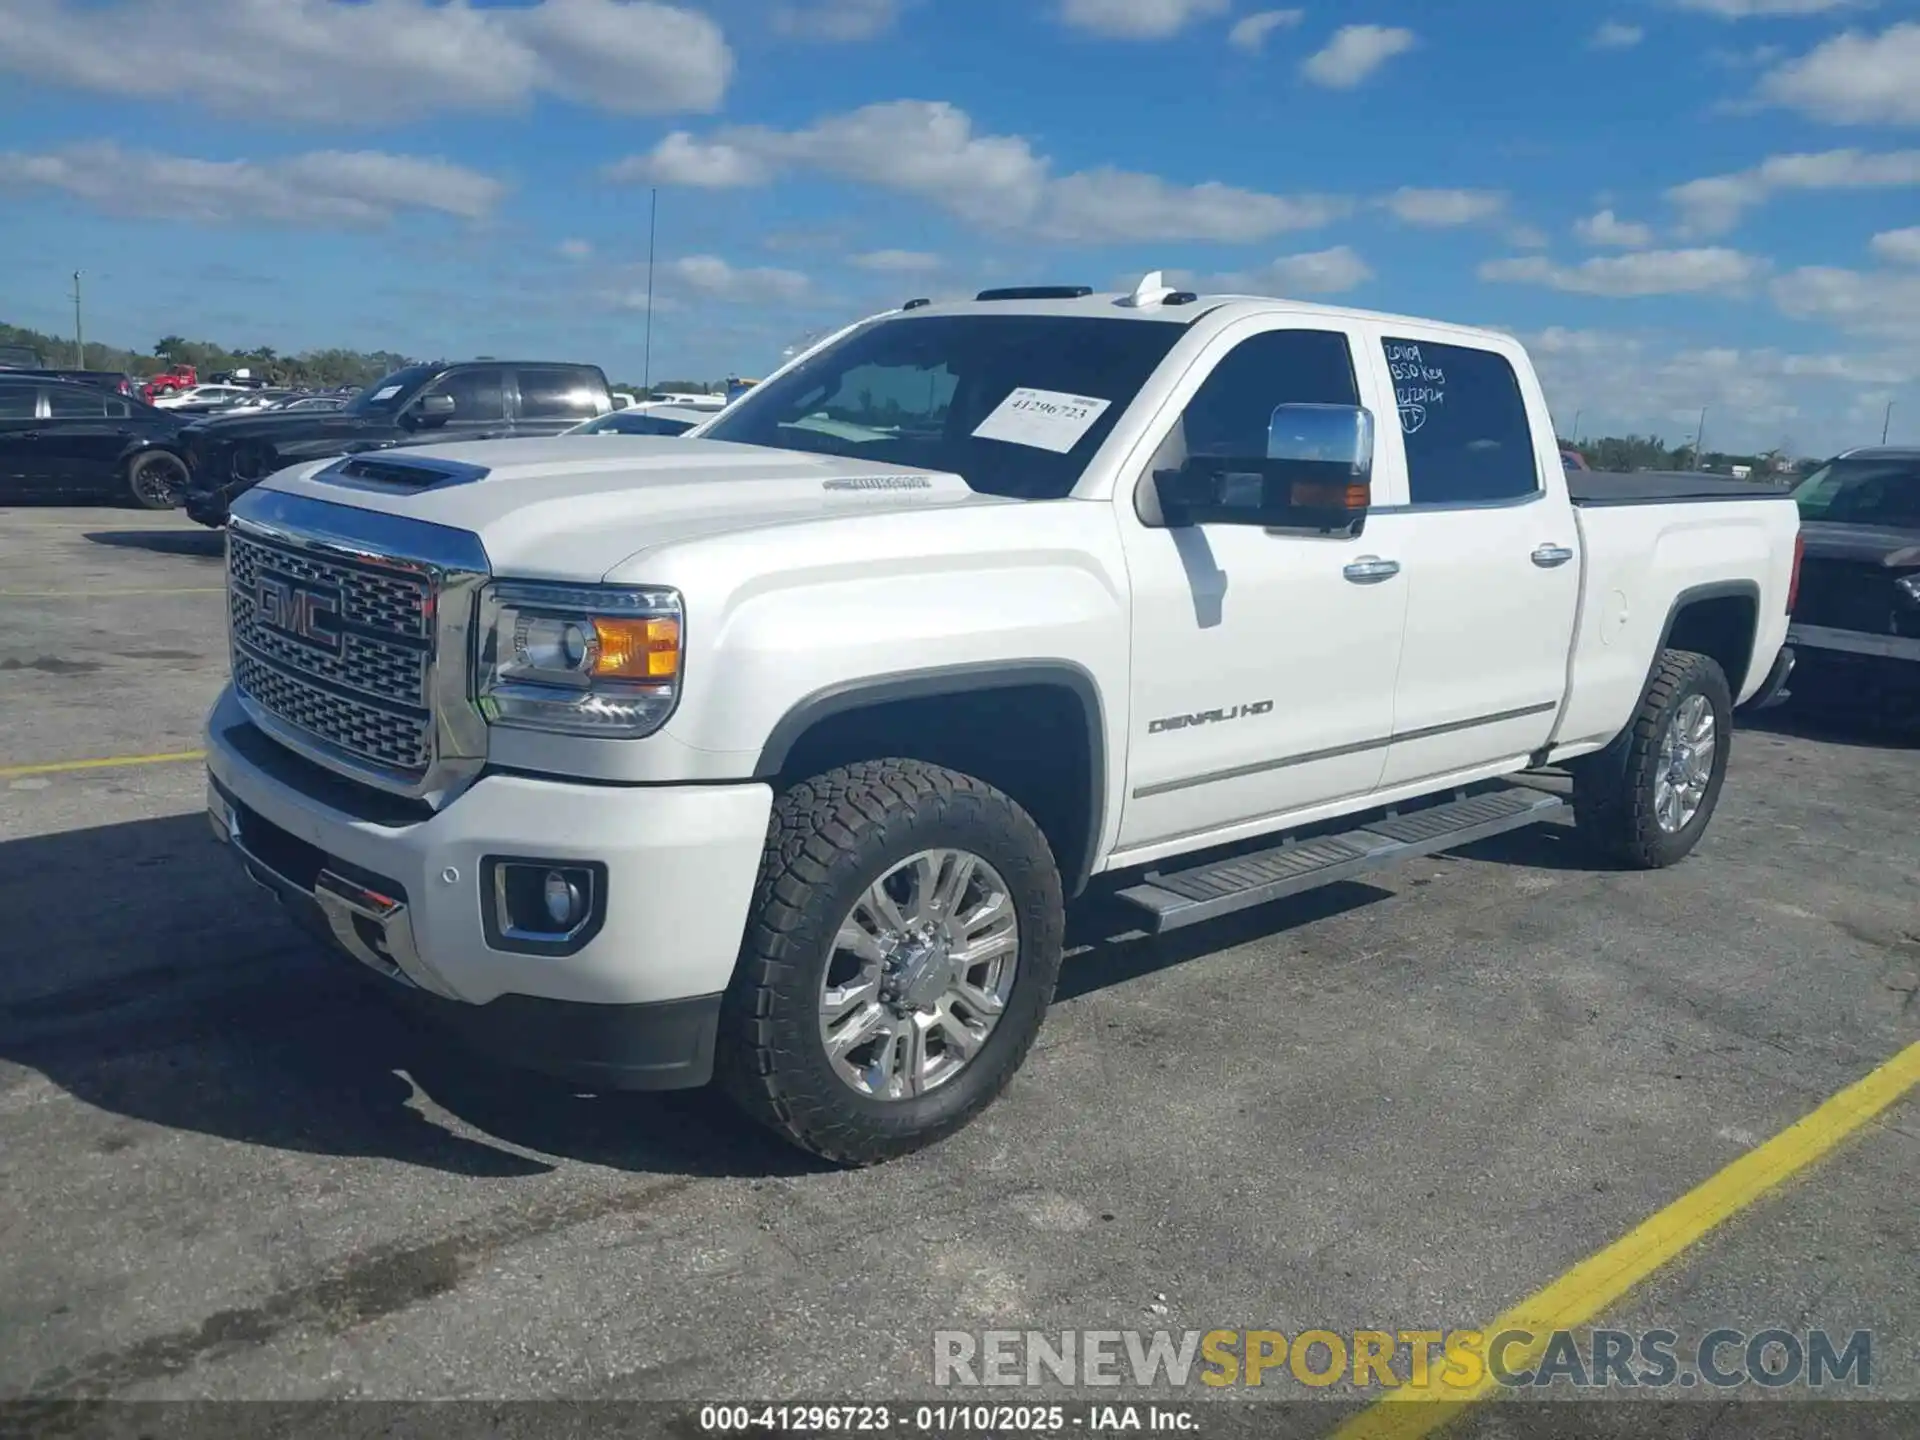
(1862, 492)
(75, 402)
(559, 395)
(1464, 423)
(1014, 404)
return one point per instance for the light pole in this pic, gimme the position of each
(653, 215)
(1700, 442)
(1575, 436)
(79, 336)
(1886, 424)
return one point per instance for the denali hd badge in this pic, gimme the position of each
(1209, 717)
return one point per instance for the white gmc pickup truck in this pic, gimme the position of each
(772, 754)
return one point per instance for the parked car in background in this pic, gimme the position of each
(170, 381)
(309, 402)
(467, 400)
(61, 437)
(644, 419)
(198, 395)
(1572, 460)
(21, 357)
(1856, 620)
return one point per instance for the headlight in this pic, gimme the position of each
(580, 659)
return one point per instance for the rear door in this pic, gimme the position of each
(556, 398)
(1489, 554)
(83, 436)
(22, 465)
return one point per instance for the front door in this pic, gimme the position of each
(1489, 555)
(81, 440)
(1263, 664)
(22, 463)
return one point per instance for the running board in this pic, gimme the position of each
(1186, 897)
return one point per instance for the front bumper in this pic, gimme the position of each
(401, 890)
(209, 504)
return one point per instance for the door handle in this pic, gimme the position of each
(1371, 570)
(1548, 556)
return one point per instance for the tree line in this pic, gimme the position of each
(310, 369)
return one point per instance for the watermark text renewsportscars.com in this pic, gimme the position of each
(1443, 1361)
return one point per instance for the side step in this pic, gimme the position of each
(1186, 897)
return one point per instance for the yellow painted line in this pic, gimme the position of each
(105, 594)
(1599, 1281)
(63, 767)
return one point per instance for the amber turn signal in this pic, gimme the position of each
(636, 649)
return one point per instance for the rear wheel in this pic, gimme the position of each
(1646, 799)
(156, 480)
(900, 957)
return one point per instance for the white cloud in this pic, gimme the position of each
(1749, 9)
(1107, 204)
(575, 249)
(1317, 272)
(931, 149)
(1854, 79)
(1444, 209)
(1138, 19)
(1606, 228)
(1250, 32)
(681, 159)
(1647, 272)
(837, 20)
(1354, 53)
(713, 277)
(1900, 246)
(1714, 205)
(1528, 237)
(1867, 302)
(373, 62)
(1613, 35)
(897, 262)
(343, 188)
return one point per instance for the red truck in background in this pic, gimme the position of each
(174, 377)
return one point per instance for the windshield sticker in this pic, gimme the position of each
(1042, 419)
(385, 392)
(1418, 385)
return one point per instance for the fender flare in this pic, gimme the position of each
(966, 679)
(1712, 590)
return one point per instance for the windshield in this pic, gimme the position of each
(1014, 404)
(1863, 492)
(388, 394)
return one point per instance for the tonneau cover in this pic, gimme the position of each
(1663, 487)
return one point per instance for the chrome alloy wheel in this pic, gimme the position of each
(1686, 764)
(919, 975)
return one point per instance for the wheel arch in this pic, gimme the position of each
(957, 715)
(1721, 620)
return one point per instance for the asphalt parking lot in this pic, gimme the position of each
(228, 1171)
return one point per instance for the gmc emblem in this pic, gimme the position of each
(308, 613)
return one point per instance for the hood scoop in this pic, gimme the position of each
(407, 474)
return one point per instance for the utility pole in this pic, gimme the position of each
(79, 336)
(1575, 436)
(653, 216)
(1886, 424)
(1700, 442)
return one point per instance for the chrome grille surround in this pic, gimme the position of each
(351, 637)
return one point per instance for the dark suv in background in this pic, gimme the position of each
(420, 405)
(1856, 619)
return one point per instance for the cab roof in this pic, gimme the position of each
(1154, 302)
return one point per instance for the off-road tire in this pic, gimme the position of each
(829, 838)
(141, 469)
(1613, 789)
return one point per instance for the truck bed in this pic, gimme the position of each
(1663, 487)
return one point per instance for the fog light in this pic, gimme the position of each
(541, 906)
(564, 902)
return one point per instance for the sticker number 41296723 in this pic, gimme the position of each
(1043, 419)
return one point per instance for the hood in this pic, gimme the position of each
(276, 426)
(573, 507)
(1896, 547)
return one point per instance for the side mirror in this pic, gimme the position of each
(1315, 478)
(431, 410)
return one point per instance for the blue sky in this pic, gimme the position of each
(1676, 202)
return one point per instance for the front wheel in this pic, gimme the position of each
(156, 480)
(901, 954)
(1646, 799)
